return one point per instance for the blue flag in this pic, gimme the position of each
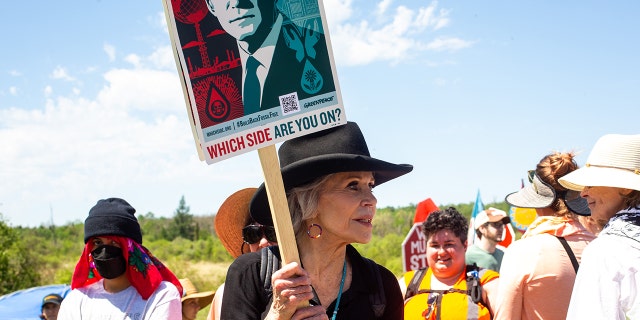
(477, 208)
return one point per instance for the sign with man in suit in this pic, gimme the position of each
(255, 72)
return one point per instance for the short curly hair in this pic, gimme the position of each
(450, 219)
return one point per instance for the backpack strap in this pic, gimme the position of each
(269, 263)
(414, 285)
(474, 288)
(572, 256)
(377, 298)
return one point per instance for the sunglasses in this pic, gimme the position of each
(496, 224)
(254, 233)
(575, 203)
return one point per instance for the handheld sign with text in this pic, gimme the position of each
(253, 76)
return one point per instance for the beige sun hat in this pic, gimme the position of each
(614, 161)
(190, 292)
(232, 216)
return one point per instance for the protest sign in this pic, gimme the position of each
(414, 249)
(255, 75)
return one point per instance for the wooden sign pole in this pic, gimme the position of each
(279, 206)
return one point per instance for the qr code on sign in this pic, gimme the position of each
(289, 103)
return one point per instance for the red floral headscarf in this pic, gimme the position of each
(144, 271)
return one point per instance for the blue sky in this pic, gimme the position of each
(472, 93)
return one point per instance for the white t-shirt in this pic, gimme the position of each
(94, 303)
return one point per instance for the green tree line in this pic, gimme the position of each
(186, 243)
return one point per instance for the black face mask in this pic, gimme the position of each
(109, 261)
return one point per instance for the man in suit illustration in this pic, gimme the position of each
(278, 57)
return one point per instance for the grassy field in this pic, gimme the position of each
(206, 276)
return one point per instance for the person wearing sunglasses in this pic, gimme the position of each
(489, 225)
(239, 234)
(329, 178)
(538, 271)
(608, 284)
(257, 236)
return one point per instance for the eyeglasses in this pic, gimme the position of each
(496, 224)
(254, 233)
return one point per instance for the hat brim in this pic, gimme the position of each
(232, 216)
(204, 298)
(51, 301)
(600, 177)
(528, 197)
(309, 169)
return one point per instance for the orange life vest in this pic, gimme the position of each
(452, 304)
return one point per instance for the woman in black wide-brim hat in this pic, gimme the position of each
(328, 177)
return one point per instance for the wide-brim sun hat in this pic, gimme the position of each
(614, 161)
(190, 292)
(232, 216)
(338, 149)
(538, 194)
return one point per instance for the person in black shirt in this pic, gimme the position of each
(329, 177)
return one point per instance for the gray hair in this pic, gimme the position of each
(303, 202)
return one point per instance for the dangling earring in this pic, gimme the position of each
(242, 247)
(314, 235)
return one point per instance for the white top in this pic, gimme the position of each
(93, 302)
(608, 281)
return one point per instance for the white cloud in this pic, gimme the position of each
(133, 59)
(15, 73)
(61, 73)
(383, 6)
(394, 38)
(13, 91)
(427, 17)
(131, 140)
(160, 21)
(110, 51)
(163, 58)
(448, 44)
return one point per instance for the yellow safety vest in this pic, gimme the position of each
(452, 304)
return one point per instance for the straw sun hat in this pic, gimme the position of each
(232, 216)
(190, 292)
(338, 149)
(614, 161)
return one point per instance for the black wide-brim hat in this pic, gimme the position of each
(306, 158)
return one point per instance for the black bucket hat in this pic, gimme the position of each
(306, 158)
